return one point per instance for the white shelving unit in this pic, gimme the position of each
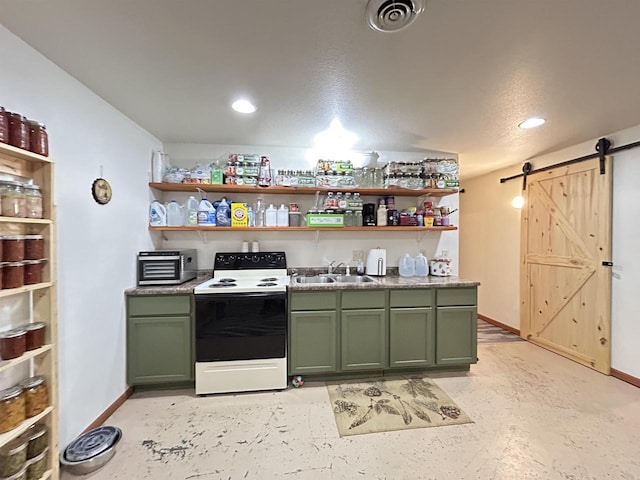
(41, 299)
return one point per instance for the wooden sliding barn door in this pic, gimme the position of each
(565, 288)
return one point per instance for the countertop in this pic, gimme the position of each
(389, 281)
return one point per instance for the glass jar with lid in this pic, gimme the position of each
(12, 408)
(13, 343)
(4, 126)
(33, 201)
(13, 199)
(13, 457)
(38, 138)
(18, 131)
(36, 395)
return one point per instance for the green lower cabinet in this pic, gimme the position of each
(364, 339)
(411, 337)
(456, 335)
(313, 342)
(159, 339)
(159, 350)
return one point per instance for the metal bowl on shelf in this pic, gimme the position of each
(90, 451)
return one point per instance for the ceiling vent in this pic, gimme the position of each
(392, 15)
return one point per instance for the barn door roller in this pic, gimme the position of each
(602, 147)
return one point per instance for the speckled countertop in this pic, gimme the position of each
(391, 280)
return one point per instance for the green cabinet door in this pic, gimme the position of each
(364, 339)
(456, 335)
(411, 337)
(313, 342)
(159, 350)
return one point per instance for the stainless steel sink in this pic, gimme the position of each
(354, 279)
(313, 279)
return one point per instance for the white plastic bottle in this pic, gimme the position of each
(206, 213)
(282, 218)
(157, 214)
(381, 216)
(223, 219)
(407, 266)
(422, 265)
(271, 216)
(174, 214)
(192, 211)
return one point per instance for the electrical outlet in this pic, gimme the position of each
(357, 255)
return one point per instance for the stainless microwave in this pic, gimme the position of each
(167, 267)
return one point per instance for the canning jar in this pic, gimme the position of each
(14, 201)
(35, 335)
(33, 201)
(12, 408)
(38, 466)
(13, 275)
(36, 395)
(32, 271)
(18, 131)
(13, 457)
(33, 247)
(4, 126)
(13, 248)
(38, 138)
(37, 438)
(13, 343)
(21, 475)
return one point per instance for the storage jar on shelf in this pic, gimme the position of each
(13, 457)
(33, 247)
(13, 343)
(33, 199)
(13, 198)
(18, 131)
(36, 395)
(13, 275)
(35, 335)
(37, 438)
(13, 248)
(12, 408)
(38, 138)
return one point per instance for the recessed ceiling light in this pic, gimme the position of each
(243, 106)
(532, 122)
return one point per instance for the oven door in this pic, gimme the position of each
(241, 326)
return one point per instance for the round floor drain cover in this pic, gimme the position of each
(91, 443)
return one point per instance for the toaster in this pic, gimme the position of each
(167, 267)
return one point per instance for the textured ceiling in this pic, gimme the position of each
(459, 79)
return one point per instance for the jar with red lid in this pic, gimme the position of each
(38, 138)
(35, 335)
(13, 343)
(13, 275)
(32, 271)
(33, 247)
(13, 248)
(4, 126)
(18, 131)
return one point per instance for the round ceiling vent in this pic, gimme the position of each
(392, 15)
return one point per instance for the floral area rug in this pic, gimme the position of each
(385, 404)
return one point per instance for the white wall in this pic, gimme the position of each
(301, 247)
(96, 244)
(625, 336)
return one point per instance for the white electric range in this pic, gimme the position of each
(241, 324)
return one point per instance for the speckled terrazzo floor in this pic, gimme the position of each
(537, 416)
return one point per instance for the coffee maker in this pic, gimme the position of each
(369, 215)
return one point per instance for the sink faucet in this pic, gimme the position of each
(332, 267)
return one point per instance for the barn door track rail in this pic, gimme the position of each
(602, 149)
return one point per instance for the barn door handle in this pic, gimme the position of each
(607, 264)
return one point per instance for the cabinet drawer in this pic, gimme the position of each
(359, 299)
(159, 305)
(456, 296)
(313, 301)
(418, 297)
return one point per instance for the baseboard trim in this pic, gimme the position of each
(503, 326)
(110, 409)
(625, 377)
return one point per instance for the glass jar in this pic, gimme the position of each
(38, 138)
(13, 457)
(18, 131)
(13, 275)
(348, 218)
(33, 247)
(33, 201)
(38, 466)
(36, 395)
(12, 408)
(33, 271)
(21, 475)
(35, 335)
(4, 126)
(14, 202)
(13, 343)
(13, 248)
(37, 438)
(357, 218)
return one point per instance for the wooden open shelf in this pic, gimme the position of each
(24, 426)
(7, 292)
(278, 190)
(301, 229)
(7, 364)
(21, 154)
(38, 221)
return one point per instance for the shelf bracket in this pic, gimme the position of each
(420, 236)
(203, 236)
(317, 236)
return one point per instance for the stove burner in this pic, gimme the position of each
(268, 284)
(227, 280)
(269, 279)
(222, 285)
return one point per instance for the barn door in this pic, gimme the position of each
(565, 288)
